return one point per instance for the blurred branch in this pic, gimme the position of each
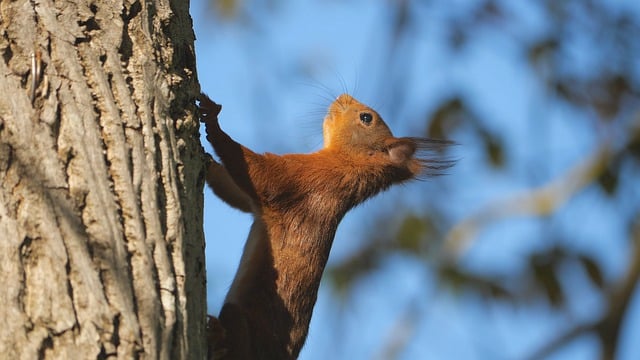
(563, 340)
(609, 325)
(619, 299)
(536, 202)
(401, 333)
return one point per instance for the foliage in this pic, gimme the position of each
(583, 56)
(604, 99)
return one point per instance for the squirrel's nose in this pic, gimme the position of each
(345, 99)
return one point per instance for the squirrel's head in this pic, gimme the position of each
(354, 128)
(352, 125)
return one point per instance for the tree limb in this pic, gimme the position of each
(536, 202)
(608, 326)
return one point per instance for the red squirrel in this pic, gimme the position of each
(297, 201)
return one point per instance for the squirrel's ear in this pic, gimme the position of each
(400, 151)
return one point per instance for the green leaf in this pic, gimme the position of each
(411, 233)
(593, 270)
(608, 180)
(448, 116)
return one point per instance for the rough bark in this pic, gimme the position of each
(101, 243)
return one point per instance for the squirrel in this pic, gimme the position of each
(297, 201)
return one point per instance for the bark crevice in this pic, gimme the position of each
(92, 175)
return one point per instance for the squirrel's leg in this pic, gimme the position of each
(225, 188)
(216, 336)
(231, 341)
(237, 342)
(237, 159)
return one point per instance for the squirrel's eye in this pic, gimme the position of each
(366, 118)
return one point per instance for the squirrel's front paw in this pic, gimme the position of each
(209, 110)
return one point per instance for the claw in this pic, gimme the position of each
(208, 107)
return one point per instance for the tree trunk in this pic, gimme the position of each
(101, 173)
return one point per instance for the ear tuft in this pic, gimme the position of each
(401, 151)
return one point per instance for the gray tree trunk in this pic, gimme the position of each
(101, 243)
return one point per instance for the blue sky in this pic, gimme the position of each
(270, 106)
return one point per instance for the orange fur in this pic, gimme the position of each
(298, 200)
